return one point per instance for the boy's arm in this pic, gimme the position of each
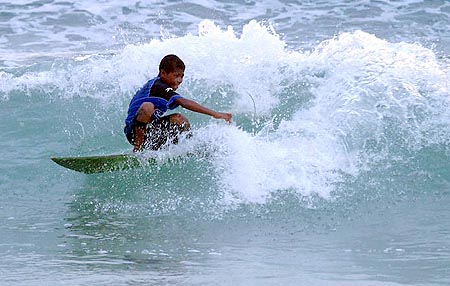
(194, 106)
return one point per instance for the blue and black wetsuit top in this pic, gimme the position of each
(156, 92)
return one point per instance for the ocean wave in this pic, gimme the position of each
(307, 121)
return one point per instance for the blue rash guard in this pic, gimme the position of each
(156, 92)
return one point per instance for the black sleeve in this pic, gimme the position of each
(163, 90)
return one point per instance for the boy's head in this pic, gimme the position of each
(171, 71)
(171, 63)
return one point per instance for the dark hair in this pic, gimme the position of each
(171, 63)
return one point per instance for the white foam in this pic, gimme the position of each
(369, 80)
(252, 168)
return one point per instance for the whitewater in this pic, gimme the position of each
(335, 170)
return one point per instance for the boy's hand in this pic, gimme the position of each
(225, 116)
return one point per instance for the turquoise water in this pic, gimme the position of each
(335, 170)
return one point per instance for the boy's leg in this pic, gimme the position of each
(144, 116)
(138, 135)
(180, 122)
(167, 128)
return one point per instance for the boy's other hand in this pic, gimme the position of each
(224, 116)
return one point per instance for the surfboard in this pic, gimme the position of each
(102, 164)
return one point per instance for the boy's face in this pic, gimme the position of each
(173, 78)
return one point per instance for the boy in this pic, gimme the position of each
(145, 125)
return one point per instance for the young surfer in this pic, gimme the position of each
(145, 125)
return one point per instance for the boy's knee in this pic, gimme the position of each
(180, 120)
(145, 112)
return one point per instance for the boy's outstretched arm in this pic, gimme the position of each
(194, 106)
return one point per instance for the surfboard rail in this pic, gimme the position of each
(102, 164)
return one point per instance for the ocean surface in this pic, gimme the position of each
(335, 170)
